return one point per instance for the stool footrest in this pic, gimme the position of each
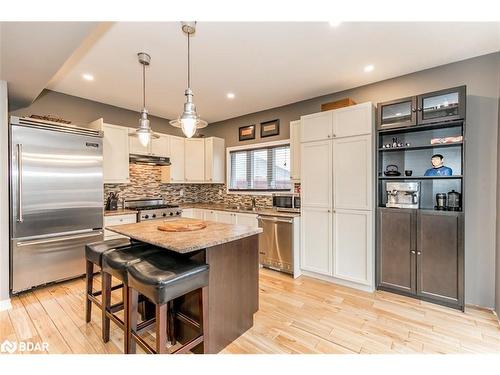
(187, 320)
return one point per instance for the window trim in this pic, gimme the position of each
(253, 146)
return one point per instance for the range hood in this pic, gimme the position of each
(149, 159)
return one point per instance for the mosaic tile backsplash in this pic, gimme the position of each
(145, 181)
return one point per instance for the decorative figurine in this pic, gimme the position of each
(438, 167)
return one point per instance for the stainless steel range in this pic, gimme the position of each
(153, 208)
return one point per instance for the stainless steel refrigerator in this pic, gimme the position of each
(56, 200)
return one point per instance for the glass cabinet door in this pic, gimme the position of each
(443, 105)
(396, 113)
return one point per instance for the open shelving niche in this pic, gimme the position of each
(417, 157)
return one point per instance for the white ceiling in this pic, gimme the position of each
(264, 64)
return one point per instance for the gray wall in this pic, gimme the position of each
(4, 199)
(497, 280)
(82, 111)
(480, 75)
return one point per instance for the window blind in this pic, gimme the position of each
(260, 169)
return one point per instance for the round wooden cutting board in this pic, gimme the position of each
(182, 225)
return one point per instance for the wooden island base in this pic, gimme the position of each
(233, 294)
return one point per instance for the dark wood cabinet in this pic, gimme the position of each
(429, 108)
(420, 253)
(440, 257)
(397, 113)
(397, 245)
(442, 105)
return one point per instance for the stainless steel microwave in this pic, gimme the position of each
(286, 202)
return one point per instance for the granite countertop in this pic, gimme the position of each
(185, 242)
(120, 211)
(266, 211)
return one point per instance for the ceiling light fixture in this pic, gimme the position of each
(369, 68)
(230, 95)
(88, 77)
(334, 23)
(144, 132)
(189, 121)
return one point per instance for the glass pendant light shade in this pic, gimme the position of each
(189, 121)
(144, 132)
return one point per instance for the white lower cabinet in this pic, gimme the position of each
(352, 246)
(316, 240)
(222, 216)
(225, 217)
(247, 219)
(117, 220)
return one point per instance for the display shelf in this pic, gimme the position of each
(417, 128)
(423, 147)
(456, 177)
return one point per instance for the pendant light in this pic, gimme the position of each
(144, 132)
(189, 121)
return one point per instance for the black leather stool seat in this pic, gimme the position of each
(94, 250)
(117, 261)
(163, 276)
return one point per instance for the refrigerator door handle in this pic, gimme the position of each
(19, 183)
(58, 239)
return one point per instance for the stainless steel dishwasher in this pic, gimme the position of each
(276, 243)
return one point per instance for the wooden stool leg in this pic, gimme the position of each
(106, 303)
(131, 319)
(161, 328)
(203, 301)
(89, 279)
(171, 323)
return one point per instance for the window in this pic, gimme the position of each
(260, 169)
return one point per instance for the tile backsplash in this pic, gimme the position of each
(145, 181)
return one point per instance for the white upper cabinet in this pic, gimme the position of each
(353, 248)
(157, 147)
(115, 154)
(352, 178)
(316, 127)
(295, 150)
(176, 159)
(160, 146)
(194, 159)
(135, 147)
(316, 171)
(214, 160)
(353, 120)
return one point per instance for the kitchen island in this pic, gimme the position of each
(232, 252)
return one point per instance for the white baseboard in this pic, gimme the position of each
(5, 305)
(334, 280)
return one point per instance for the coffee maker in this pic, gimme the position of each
(403, 194)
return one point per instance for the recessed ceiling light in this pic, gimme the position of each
(88, 77)
(230, 95)
(369, 68)
(334, 23)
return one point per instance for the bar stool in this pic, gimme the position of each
(115, 263)
(162, 277)
(93, 256)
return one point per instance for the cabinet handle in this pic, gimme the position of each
(329, 136)
(419, 109)
(413, 110)
(419, 253)
(413, 251)
(335, 136)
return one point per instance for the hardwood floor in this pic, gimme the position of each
(295, 316)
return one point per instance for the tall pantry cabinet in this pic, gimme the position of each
(337, 195)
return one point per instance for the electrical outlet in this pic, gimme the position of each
(181, 192)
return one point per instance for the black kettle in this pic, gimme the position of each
(112, 201)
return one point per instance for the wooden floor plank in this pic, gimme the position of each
(302, 315)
